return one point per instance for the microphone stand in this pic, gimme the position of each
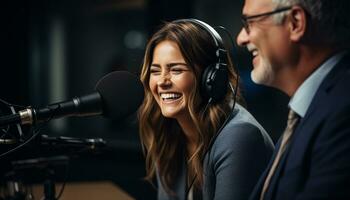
(49, 185)
(47, 164)
(9, 125)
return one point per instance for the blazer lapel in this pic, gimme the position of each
(181, 185)
(327, 84)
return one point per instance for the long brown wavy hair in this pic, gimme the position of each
(163, 140)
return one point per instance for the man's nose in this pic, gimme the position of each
(242, 38)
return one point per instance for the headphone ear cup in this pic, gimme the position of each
(214, 82)
(206, 86)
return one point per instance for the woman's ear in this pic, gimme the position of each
(297, 23)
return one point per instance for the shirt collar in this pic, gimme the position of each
(302, 98)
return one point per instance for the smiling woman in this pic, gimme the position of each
(171, 81)
(197, 145)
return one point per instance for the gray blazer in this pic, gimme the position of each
(233, 164)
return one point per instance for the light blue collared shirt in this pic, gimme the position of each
(302, 98)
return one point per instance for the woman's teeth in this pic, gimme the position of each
(167, 96)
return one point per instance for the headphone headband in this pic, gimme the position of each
(214, 79)
(220, 52)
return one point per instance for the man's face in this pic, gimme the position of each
(266, 40)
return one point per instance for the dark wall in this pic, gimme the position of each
(14, 52)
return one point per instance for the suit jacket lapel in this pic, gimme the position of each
(327, 84)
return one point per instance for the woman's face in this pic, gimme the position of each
(171, 80)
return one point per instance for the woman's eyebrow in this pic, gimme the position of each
(170, 65)
(155, 65)
(176, 63)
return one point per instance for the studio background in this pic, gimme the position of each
(53, 50)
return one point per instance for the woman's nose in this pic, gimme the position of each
(164, 80)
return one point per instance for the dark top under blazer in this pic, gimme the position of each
(317, 163)
(233, 165)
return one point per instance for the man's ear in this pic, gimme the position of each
(297, 23)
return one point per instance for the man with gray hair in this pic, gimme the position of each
(301, 47)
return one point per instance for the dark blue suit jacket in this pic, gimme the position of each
(317, 163)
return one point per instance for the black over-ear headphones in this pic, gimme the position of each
(214, 81)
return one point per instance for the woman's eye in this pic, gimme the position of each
(177, 70)
(155, 71)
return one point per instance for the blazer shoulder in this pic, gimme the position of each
(242, 132)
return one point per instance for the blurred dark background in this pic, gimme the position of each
(53, 50)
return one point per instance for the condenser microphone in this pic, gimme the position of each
(117, 95)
